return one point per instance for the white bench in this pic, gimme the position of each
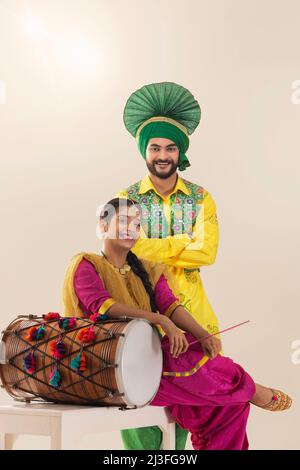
(65, 424)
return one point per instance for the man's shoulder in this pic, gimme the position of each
(131, 190)
(196, 190)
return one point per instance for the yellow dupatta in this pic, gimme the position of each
(130, 292)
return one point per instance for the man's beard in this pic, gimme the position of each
(161, 174)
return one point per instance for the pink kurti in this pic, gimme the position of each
(92, 294)
(213, 402)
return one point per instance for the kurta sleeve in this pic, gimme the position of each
(202, 251)
(161, 250)
(165, 298)
(90, 289)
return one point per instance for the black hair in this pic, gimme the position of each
(134, 262)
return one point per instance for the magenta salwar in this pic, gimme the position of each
(212, 403)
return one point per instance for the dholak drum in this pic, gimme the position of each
(113, 362)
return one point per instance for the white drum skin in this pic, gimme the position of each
(140, 362)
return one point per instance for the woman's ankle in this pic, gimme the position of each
(263, 396)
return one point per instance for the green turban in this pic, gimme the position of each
(167, 131)
(163, 109)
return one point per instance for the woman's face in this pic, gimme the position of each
(124, 227)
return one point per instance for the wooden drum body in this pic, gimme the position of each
(122, 363)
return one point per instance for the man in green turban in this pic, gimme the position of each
(168, 131)
(179, 225)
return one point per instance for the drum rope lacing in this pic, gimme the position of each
(110, 392)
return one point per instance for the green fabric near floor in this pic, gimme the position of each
(150, 438)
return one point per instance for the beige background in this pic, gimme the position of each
(68, 71)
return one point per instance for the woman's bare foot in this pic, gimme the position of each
(263, 396)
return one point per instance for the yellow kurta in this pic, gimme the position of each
(183, 254)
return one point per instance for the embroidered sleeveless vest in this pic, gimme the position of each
(184, 210)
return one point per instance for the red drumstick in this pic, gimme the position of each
(218, 332)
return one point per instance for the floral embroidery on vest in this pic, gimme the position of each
(184, 210)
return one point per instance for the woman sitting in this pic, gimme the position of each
(210, 394)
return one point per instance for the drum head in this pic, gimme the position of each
(2, 353)
(140, 362)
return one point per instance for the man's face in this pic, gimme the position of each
(162, 157)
